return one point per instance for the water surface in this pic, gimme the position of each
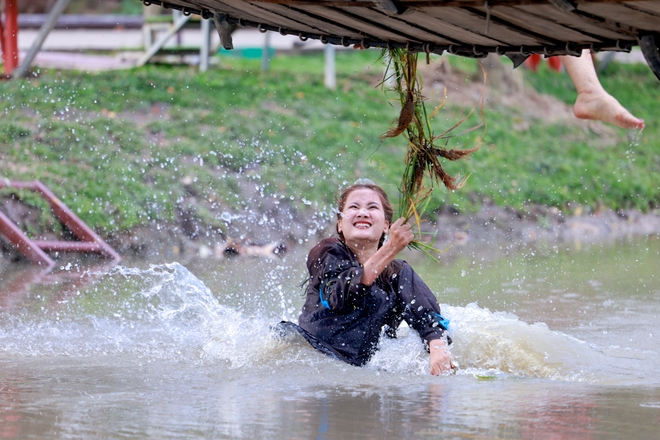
(552, 342)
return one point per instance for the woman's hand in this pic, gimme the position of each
(441, 358)
(399, 236)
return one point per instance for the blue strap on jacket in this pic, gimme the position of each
(444, 322)
(324, 301)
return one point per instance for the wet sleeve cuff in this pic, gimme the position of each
(438, 333)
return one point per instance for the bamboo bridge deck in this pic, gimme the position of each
(463, 27)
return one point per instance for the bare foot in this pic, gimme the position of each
(604, 107)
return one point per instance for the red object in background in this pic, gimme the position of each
(2, 36)
(554, 63)
(533, 61)
(9, 37)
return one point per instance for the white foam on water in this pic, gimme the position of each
(168, 314)
(486, 342)
(499, 345)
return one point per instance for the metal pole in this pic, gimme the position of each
(149, 13)
(24, 245)
(2, 35)
(10, 46)
(265, 56)
(176, 15)
(206, 46)
(71, 221)
(330, 79)
(158, 45)
(48, 26)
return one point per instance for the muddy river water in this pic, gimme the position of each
(553, 342)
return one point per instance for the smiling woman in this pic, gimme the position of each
(357, 289)
(363, 217)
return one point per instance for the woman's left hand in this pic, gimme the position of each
(441, 358)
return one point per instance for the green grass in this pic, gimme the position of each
(116, 146)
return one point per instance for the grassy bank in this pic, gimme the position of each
(126, 148)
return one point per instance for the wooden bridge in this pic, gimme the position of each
(471, 28)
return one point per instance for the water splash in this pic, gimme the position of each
(166, 313)
(163, 312)
(635, 137)
(486, 342)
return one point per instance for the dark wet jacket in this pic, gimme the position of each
(344, 318)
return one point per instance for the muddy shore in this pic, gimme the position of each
(276, 225)
(492, 227)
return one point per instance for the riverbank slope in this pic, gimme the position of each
(164, 159)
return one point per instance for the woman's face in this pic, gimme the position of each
(363, 217)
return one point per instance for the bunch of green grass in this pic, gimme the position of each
(423, 167)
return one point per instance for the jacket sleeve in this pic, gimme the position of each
(422, 311)
(334, 276)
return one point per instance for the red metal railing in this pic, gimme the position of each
(34, 250)
(9, 37)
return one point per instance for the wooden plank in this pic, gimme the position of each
(218, 6)
(329, 27)
(531, 23)
(572, 20)
(268, 17)
(325, 3)
(651, 7)
(212, 4)
(542, 25)
(620, 14)
(415, 3)
(339, 16)
(398, 23)
(524, 27)
(492, 3)
(185, 3)
(477, 24)
(459, 34)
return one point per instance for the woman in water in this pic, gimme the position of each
(357, 289)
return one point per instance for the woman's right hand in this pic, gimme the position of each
(400, 235)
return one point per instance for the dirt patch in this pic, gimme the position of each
(494, 225)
